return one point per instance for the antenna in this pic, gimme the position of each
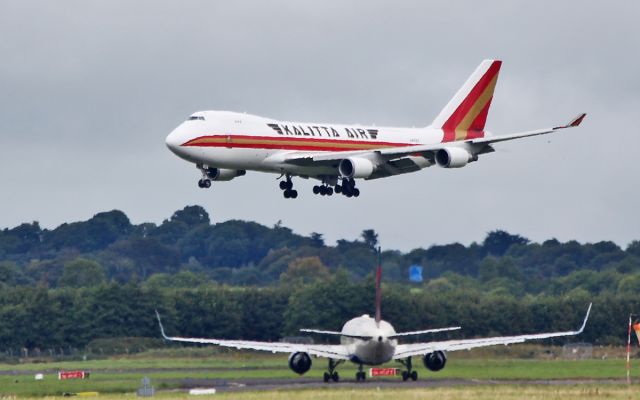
(378, 289)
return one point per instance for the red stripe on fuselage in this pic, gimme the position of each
(288, 143)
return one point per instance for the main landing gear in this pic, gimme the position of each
(409, 373)
(332, 374)
(287, 188)
(360, 375)
(348, 188)
(323, 190)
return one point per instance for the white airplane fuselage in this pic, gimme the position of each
(378, 350)
(236, 141)
(224, 144)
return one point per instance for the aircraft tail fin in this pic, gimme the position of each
(466, 113)
(378, 289)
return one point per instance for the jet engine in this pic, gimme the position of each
(299, 362)
(223, 174)
(435, 361)
(355, 167)
(453, 157)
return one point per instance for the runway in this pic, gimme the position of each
(264, 384)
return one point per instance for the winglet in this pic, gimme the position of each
(161, 327)
(574, 122)
(586, 317)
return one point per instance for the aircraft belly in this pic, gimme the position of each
(251, 159)
(372, 353)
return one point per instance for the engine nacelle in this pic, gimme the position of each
(356, 167)
(435, 361)
(453, 157)
(299, 362)
(223, 174)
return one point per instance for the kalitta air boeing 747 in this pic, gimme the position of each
(372, 341)
(225, 145)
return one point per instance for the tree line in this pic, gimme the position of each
(35, 317)
(108, 248)
(102, 278)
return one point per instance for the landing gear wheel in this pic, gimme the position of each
(326, 377)
(329, 191)
(338, 189)
(335, 377)
(405, 375)
(287, 194)
(360, 376)
(356, 192)
(414, 375)
(323, 190)
(283, 185)
(207, 183)
(316, 189)
(200, 184)
(293, 194)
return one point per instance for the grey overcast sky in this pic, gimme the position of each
(90, 89)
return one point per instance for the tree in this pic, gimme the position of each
(9, 273)
(370, 238)
(316, 239)
(491, 268)
(634, 248)
(95, 234)
(82, 273)
(498, 242)
(305, 270)
(191, 215)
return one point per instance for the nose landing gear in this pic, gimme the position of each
(204, 182)
(360, 375)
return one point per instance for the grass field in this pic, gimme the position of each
(168, 371)
(610, 392)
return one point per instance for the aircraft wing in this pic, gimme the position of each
(336, 352)
(495, 139)
(415, 349)
(427, 151)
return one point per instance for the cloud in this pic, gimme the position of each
(90, 90)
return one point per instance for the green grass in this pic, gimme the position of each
(123, 374)
(504, 392)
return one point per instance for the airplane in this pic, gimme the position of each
(224, 145)
(372, 341)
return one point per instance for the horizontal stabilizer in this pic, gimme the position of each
(334, 333)
(413, 333)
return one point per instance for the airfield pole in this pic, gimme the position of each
(629, 350)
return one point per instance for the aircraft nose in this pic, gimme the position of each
(173, 140)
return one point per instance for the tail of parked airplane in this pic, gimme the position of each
(465, 115)
(378, 289)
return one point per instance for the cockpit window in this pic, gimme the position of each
(195, 117)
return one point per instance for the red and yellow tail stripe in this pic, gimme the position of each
(469, 118)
